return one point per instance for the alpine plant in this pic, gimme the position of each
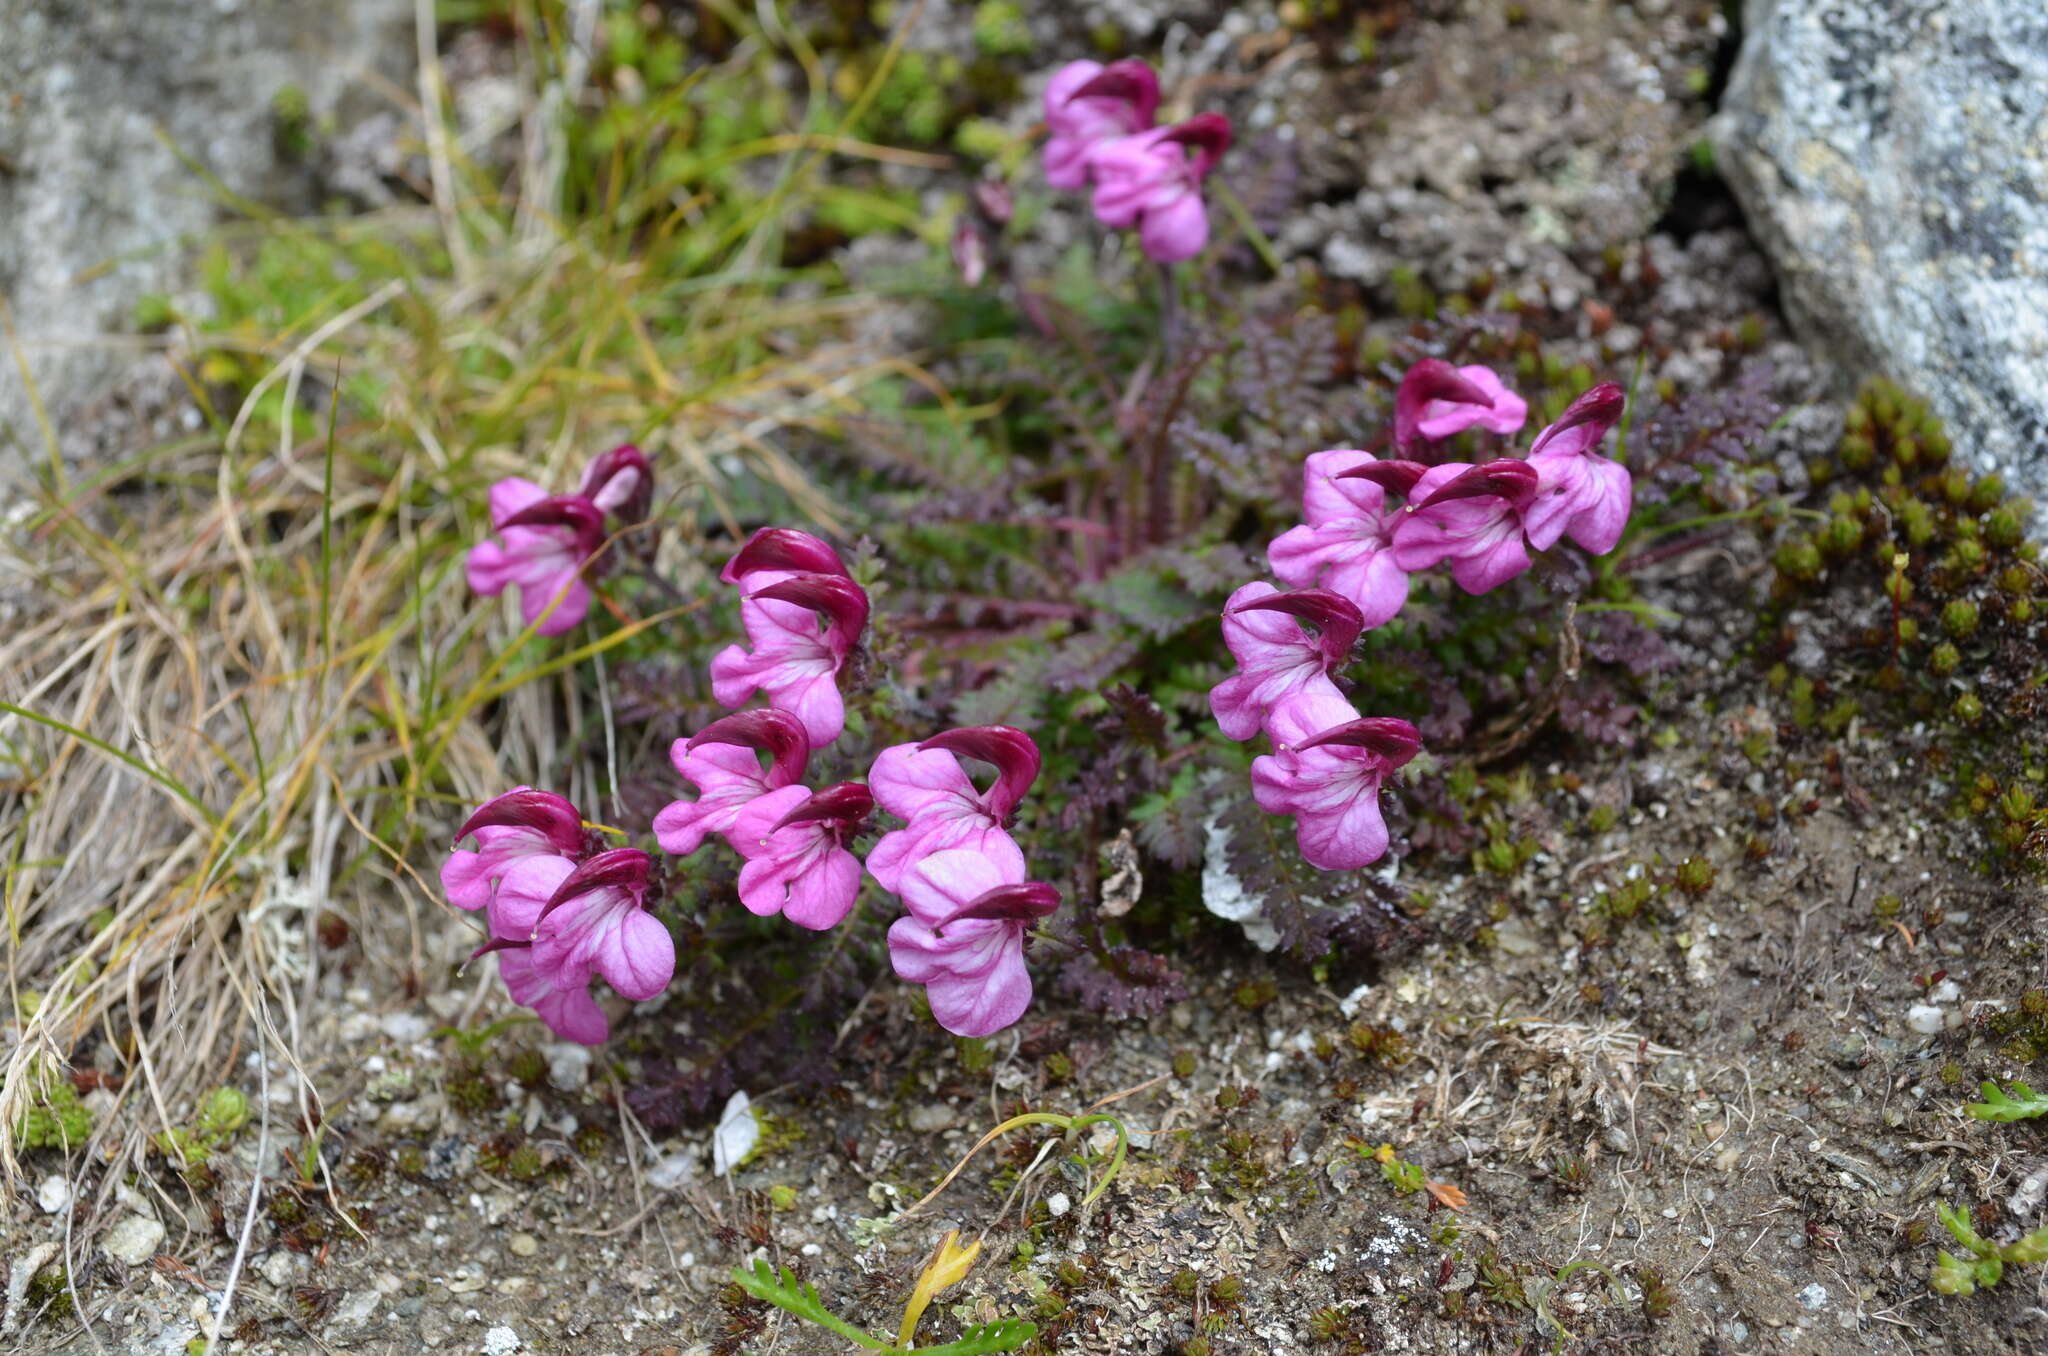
(1370, 523)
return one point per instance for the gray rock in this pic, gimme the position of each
(1892, 156)
(133, 1240)
(95, 203)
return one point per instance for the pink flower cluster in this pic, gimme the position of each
(1371, 522)
(1144, 177)
(552, 542)
(560, 914)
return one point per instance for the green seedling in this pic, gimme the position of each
(1986, 1261)
(1999, 1106)
(222, 1113)
(948, 1267)
(55, 1118)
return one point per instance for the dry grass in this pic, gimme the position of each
(244, 683)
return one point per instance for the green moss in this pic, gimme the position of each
(1000, 29)
(55, 1119)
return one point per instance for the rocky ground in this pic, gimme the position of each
(1717, 1121)
(1752, 1091)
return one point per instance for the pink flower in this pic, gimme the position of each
(1578, 493)
(621, 484)
(720, 761)
(1086, 103)
(521, 823)
(964, 938)
(597, 922)
(547, 541)
(970, 252)
(1437, 401)
(1330, 782)
(783, 551)
(1277, 658)
(993, 197)
(926, 785)
(795, 846)
(1470, 516)
(1344, 545)
(1148, 180)
(794, 662)
(522, 897)
(569, 1010)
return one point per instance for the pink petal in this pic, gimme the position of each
(575, 604)
(816, 702)
(1354, 837)
(489, 569)
(945, 881)
(465, 881)
(1326, 499)
(821, 896)
(1494, 563)
(1170, 234)
(523, 891)
(753, 830)
(512, 494)
(681, 826)
(636, 955)
(1235, 704)
(1598, 526)
(574, 1015)
(1375, 581)
(1560, 481)
(984, 1004)
(910, 783)
(735, 675)
(1308, 713)
(1297, 556)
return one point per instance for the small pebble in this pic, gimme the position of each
(133, 1240)
(932, 1118)
(524, 1245)
(53, 1195)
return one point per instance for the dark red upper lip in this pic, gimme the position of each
(627, 868)
(1335, 616)
(1396, 476)
(527, 808)
(1012, 753)
(846, 804)
(777, 733)
(572, 511)
(1431, 379)
(1599, 405)
(838, 597)
(1011, 903)
(783, 548)
(1508, 478)
(1393, 740)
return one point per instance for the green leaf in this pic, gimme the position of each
(2032, 1247)
(780, 1288)
(1006, 1335)
(1953, 1276)
(1998, 1106)
(1958, 1224)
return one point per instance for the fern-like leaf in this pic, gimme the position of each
(1998, 1106)
(1006, 1335)
(780, 1287)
